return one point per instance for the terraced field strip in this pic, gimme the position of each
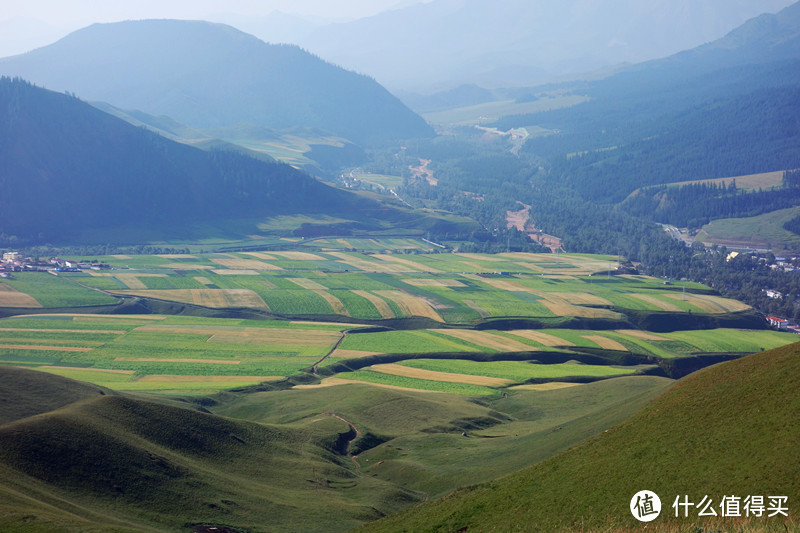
(81, 369)
(369, 266)
(335, 303)
(542, 338)
(334, 382)
(299, 256)
(11, 297)
(239, 263)
(581, 298)
(309, 284)
(379, 303)
(411, 305)
(656, 302)
(605, 342)
(105, 331)
(180, 360)
(252, 335)
(44, 348)
(433, 375)
(161, 378)
(553, 385)
(214, 298)
(642, 335)
(433, 282)
(711, 304)
(51, 341)
(489, 340)
(408, 263)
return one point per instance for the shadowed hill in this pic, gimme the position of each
(110, 462)
(727, 430)
(67, 167)
(212, 75)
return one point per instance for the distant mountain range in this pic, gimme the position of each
(444, 43)
(67, 167)
(211, 75)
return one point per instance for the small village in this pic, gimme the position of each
(16, 262)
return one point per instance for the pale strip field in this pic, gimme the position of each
(531, 266)
(333, 382)
(260, 255)
(11, 297)
(605, 342)
(433, 282)
(299, 256)
(236, 273)
(489, 340)
(475, 307)
(542, 338)
(50, 341)
(177, 256)
(116, 332)
(544, 386)
(132, 281)
(119, 256)
(658, 303)
(203, 280)
(508, 285)
(488, 258)
(214, 298)
(164, 378)
(561, 308)
(411, 305)
(134, 322)
(168, 360)
(186, 266)
(81, 369)
(308, 284)
(44, 348)
(268, 284)
(370, 266)
(379, 303)
(335, 303)
(642, 335)
(89, 316)
(345, 243)
(238, 263)
(711, 304)
(412, 264)
(580, 298)
(343, 325)
(432, 375)
(352, 354)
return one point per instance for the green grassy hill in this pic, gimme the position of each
(114, 462)
(727, 430)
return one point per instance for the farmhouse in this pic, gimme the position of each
(776, 322)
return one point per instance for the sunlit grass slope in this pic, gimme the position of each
(729, 430)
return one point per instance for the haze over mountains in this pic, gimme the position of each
(448, 42)
(211, 75)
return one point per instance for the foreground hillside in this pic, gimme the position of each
(725, 431)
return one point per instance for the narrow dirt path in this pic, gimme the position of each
(335, 346)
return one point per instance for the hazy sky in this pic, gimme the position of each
(31, 23)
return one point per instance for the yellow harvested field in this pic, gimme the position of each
(168, 360)
(710, 304)
(656, 302)
(475, 307)
(406, 262)
(177, 256)
(507, 285)
(605, 342)
(562, 308)
(203, 280)
(432, 282)
(163, 378)
(261, 255)
(335, 303)
(308, 284)
(432, 375)
(116, 332)
(236, 272)
(119, 256)
(44, 348)
(299, 256)
(530, 266)
(542, 338)
(642, 335)
(488, 340)
(379, 303)
(345, 243)
(411, 305)
(215, 298)
(581, 298)
(554, 385)
(352, 354)
(131, 281)
(11, 297)
(369, 266)
(489, 258)
(238, 263)
(343, 325)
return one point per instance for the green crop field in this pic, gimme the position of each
(760, 231)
